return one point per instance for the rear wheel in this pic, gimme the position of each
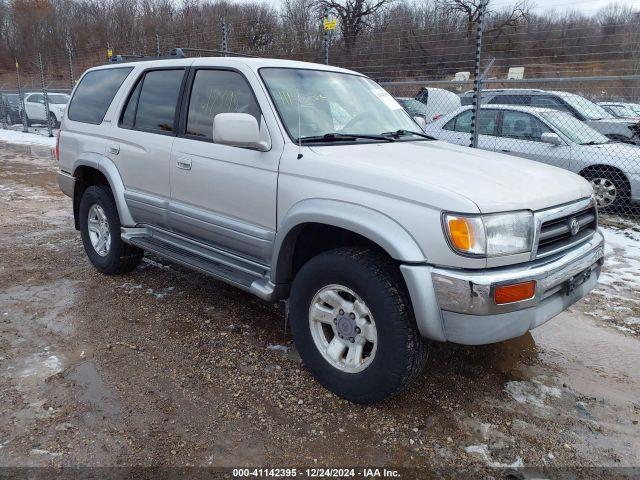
(100, 231)
(353, 324)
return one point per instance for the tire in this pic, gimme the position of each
(399, 352)
(53, 121)
(115, 256)
(612, 189)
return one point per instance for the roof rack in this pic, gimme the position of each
(179, 52)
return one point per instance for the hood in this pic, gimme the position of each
(493, 182)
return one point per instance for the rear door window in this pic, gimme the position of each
(522, 126)
(95, 93)
(487, 122)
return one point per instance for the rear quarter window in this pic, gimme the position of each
(95, 93)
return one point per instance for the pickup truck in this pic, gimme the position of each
(310, 184)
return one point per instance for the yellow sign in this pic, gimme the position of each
(17, 66)
(109, 53)
(329, 23)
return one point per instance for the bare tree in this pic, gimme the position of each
(512, 16)
(354, 17)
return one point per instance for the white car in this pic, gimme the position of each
(438, 102)
(553, 137)
(36, 110)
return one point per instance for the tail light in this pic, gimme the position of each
(437, 116)
(58, 146)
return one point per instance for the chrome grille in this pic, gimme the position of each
(556, 233)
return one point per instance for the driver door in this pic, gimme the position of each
(34, 106)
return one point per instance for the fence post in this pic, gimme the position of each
(157, 45)
(325, 37)
(46, 97)
(23, 114)
(477, 79)
(72, 80)
(225, 39)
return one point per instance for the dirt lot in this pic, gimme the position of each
(167, 367)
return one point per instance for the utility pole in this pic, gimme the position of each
(325, 36)
(72, 79)
(157, 45)
(225, 37)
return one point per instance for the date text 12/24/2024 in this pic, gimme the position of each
(315, 473)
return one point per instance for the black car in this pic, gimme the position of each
(10, 108)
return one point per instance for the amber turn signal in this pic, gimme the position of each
(514, 293)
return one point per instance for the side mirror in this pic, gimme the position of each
(420, 121)
(551, 138)
(238, 130)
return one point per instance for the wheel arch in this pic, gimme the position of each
(93, 168)
(353, 222)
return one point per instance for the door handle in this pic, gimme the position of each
(114, 149)
(506, 150)
(184, 163)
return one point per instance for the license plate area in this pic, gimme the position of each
(577, 280)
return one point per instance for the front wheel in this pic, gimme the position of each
(611, 189)
(53, 121)
(353, 324)
(100, 232)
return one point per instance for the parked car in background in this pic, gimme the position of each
(552, 137)
(438, 102)
(36, 110)
(10, 108)
(378, 236)
(618, 129)
(622, 110)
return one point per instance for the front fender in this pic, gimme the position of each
(371, 224)
(105, 166)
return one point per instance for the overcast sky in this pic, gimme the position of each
(586, 6)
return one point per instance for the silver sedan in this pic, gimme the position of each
(552, 137)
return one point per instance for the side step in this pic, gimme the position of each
(246, 275)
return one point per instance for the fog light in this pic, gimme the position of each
(514, 293)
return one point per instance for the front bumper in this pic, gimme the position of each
(457, 305)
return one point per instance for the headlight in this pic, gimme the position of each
(490, 235)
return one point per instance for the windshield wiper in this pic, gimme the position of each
(594, 143)
(341, 137)
(404, 133)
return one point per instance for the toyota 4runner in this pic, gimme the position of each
(311, 184)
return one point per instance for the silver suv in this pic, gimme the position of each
(311, 184)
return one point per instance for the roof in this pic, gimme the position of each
(251, 62)
(518, 108)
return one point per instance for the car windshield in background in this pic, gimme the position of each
(622, 111)
(13, 100)
(586, 108)
(414, 106)
(577, 131)
(58, 99)
(317, 103)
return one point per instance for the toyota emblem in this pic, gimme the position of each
(575, 226)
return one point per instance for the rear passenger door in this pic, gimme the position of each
(141, 145)
(458, 129)
(222, 195)
(34, 106)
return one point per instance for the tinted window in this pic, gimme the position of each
(95, 93)
(511, 100)
(487, 121)
(158, 99)
(129, 115)
(545, 101)
(35, 98)
(214, 92)
(522, 126)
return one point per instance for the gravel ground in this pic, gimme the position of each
(167, 367)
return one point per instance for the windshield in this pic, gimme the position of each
(413, 105)
(586, 108)
(622, 111)
(314, 103)
(577, 131)
(59, 99)
(13, 100)
(635, 107)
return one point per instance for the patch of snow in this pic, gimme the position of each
(632, 321)
(622, 259)
(278, 348)
(532, 393)
(482, 450)
(155, 264)
(21, 138)
(38, 451)
(625, 329)
(161, 294)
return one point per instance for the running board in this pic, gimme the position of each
(247, 275)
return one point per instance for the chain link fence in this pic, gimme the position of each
(579, 112)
